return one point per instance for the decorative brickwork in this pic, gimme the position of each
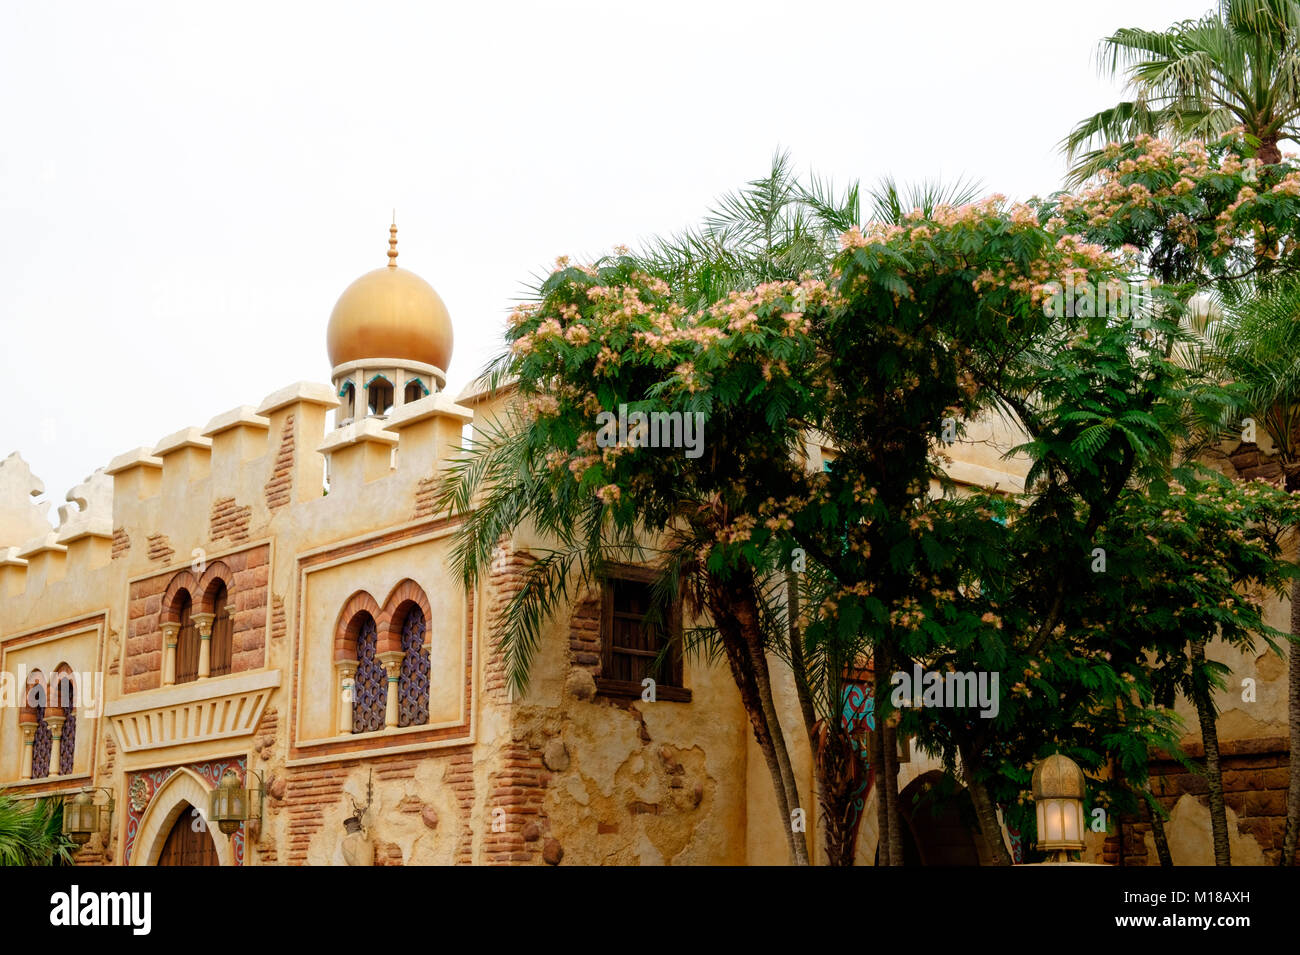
(229, 520)
(311, 790)
(459, 775)
(247, 575)
(505, 579)
(584, 636)
(425, 492)
(280, 485)
(278, 623)
(121, 542)
(518, 788)
(160, 548)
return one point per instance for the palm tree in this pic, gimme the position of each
(1256, 343)
(1239, 66)
(31, 832)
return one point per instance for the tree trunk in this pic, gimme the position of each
(889, 743)
(1289, 837)
(876, 753)
(736, 617)
(1158, 836)
(1210, 741)
(990, 828)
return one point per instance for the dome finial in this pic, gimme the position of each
(392, 242)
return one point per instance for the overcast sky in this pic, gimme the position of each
(185, 189)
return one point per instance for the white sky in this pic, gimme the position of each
(185, 189)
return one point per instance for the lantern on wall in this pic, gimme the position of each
(1058, 786)
(230, 802)
(82, 818)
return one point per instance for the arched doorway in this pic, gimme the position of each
(941, 825)
(189, 842)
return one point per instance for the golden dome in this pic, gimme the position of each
(390, 313)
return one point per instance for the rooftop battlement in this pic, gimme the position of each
(246, 472)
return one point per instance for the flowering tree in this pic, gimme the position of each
(1208, 217)
(883, 347)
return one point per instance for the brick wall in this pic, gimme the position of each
(311, 790)
(142, 656)
(1254, 788)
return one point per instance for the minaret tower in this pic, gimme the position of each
(389, 341)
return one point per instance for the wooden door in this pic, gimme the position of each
(185, 846)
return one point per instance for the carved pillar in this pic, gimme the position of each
(203, 624)
(392, 661)
(29, 734)
(170, 630)
(347, 671)
(55, 718)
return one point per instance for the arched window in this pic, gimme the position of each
(223, 633)
(413, 680)
(379, 395)
(414, 390)
(348, 394)
(370, 687)
(187, 640)
(43, 739)
(65, 697)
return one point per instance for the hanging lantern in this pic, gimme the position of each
(230, 802)
(82, 818)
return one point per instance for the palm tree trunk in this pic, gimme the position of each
(987, 816)
(1213, 771)
(1289, 837)
(735, 614)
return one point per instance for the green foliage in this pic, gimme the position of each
(31, 832)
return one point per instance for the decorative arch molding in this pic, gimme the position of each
(169, 792)
(184, 788)
(183, 581)
(346, 626)
(405, 595)
(217, 573)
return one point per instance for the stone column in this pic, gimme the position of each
(203, 623)
(392, 661)
(170, 630)
(55, 720)
(29, 734)
(347, 671)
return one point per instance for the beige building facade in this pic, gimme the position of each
(271, 594)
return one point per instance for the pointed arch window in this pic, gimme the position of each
(415, 390)
(187, 640)
(413, 680)
(370, 686)
(379, 395)
(223, 635)
(348, 394)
